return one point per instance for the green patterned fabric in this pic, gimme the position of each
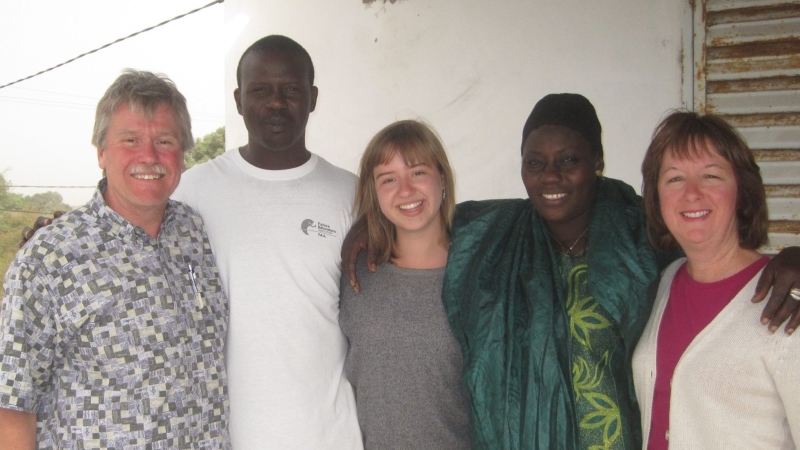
(507, 306)
(604, 414)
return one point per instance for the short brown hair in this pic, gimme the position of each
(143, 92)
(684, 134)
(417, 143)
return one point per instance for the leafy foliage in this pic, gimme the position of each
(206, 148)
(12, 222)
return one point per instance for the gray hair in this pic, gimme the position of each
(143, 92)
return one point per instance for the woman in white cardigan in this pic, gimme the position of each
(707, 375)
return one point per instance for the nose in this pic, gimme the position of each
(693, 191)
(406, 187)
(148, 153)
(276, 99)
(551, 173)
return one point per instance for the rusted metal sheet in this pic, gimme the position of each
(784, 226)
(784, 83)
(758, 102)
(784, 191)
(756, 49)
(747, 69)
(755, 13)
(762, 119)
(767, 138)
(716, 6)
(751, 32)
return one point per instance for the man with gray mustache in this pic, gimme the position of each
(114, 319)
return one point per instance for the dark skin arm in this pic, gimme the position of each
(356, 241)
(781, 274)
(42, 221)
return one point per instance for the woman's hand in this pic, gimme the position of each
(781, 274)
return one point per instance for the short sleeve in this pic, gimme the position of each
(27, 336)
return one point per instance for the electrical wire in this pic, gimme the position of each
(112, 43)
(49, 187)
(24, 211)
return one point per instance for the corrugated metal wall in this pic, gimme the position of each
(747, 69)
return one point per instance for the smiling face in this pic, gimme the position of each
(698, 200)
(410, 196)
(143, 160)
(558, 170)
(275, 99)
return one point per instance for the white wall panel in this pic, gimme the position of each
(474, 69)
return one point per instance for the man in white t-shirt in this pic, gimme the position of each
(276, 216)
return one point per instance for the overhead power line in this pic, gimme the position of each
(112, 43)
(24, 211)
(49, 187)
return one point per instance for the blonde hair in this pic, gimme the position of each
(417, 143)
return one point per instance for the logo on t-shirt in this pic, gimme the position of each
(320, 229)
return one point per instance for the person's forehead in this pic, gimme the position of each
(259, 62)
(126, 114)
(559, 133)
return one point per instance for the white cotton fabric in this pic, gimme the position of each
(277, 237)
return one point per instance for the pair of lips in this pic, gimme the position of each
(147, 176)
(696, 214)
(142, 172)
(554, 196)
(410, 206)
(277, 119)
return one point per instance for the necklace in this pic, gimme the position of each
(574, 243)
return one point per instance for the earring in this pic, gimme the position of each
(599, 173)
(444, 194)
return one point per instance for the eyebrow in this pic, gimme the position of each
(392, 172)
(707, 166)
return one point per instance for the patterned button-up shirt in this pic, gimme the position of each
(115, 338)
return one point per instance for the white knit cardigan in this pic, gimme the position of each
(736, 385)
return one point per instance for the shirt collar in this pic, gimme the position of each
(115, 223)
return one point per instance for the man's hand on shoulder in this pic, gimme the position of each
(356, 241)
(42, 221)
(782, 275)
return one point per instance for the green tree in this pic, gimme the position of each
(206, 148)
(13, 219)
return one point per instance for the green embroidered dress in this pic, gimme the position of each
(604, 413)
(508, 306)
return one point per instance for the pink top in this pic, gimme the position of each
(691, 307)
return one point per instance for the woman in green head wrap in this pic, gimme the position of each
(549, 295)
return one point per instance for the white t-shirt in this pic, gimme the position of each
(277, 236)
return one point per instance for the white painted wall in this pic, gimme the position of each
(474, 69)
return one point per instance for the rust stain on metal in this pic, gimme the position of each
(784, 226)
(701, 68)
(778, 155)
(777, 47)
(783, 63)
(783, 191)
(782, 83)
(763, 119)
(753, 14)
